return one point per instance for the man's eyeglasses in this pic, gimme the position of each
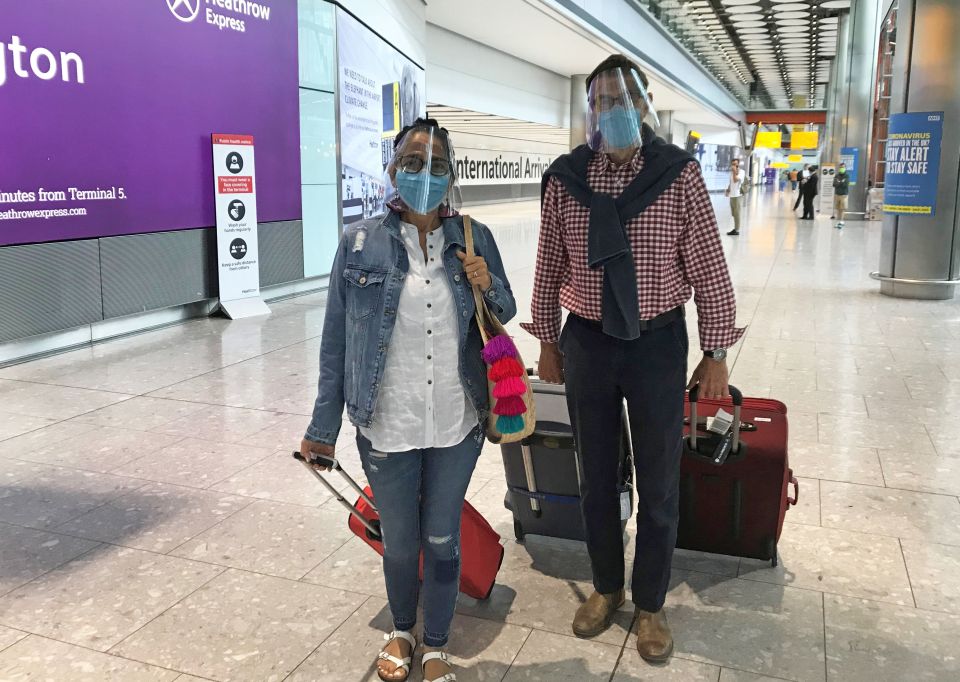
(608, 102)
(414, 164)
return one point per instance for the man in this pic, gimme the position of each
(809, 191)
(733, 193)
(841, 188)
(627, 228)
(804, 174)
(793, 179)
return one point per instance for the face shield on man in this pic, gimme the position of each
(617, 104)
(423, 171)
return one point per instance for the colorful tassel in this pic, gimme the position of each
(507, 367)
(510, 424)
(510, 386)
(510, 407)
(499, 347)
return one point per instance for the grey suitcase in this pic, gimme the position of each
(542, 472)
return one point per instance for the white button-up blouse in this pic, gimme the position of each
(422, 403)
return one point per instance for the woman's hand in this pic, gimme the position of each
(476, 269)
(309, 448)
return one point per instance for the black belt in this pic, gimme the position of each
(658, 322)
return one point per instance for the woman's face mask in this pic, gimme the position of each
(620, 128)
(422, 192)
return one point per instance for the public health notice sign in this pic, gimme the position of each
(234, 181)
(106, 109)
(913, 163)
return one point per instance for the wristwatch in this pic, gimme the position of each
(718, 354)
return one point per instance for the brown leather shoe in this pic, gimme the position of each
(595, 615)
(654, 639)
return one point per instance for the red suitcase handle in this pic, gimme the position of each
(796, 491)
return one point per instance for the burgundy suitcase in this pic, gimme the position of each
(481, 553)
(734, 489)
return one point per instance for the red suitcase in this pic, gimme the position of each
(734, 489)
(481, 553)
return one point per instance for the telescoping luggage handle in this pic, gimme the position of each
(333, 464)
(737, 406)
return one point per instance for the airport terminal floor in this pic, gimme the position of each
(153, 525)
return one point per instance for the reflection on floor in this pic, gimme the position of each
(154, 527)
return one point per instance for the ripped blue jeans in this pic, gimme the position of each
(419, 495)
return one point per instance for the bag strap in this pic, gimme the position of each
(482, 313)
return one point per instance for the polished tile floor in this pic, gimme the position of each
(154, 527)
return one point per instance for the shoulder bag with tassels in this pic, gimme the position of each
(512, 411)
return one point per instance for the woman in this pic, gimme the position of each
(402, 350)
(733, 192)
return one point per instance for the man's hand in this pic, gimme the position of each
(713, 378)
(550, 368)
(309, 448)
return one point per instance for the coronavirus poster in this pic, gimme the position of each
(913, 163)
(107, 107)
(380, 92)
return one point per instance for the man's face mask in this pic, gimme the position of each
(842, 170)
(620, 127)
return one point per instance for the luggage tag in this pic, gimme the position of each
(723, 450)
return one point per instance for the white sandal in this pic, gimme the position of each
(400, 663)
(432, 656)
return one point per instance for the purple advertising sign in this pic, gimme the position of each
(107, 107)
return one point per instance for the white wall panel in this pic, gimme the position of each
(401, 23)
(463, 73)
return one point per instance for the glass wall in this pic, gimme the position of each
(318, 135)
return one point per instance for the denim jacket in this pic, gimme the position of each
(365, 284)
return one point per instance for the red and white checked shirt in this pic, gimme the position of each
(676, 247)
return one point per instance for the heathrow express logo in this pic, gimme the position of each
(184, 10)
(224, 15)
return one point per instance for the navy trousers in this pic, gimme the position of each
(650, 374)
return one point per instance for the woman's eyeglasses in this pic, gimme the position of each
(414, 164)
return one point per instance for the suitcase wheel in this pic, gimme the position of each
(772, 552)
(518, 530)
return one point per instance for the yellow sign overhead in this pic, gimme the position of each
(779, 164)
(795, 158)
(768, 140)
(806, 140)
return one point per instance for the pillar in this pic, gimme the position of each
(920, 255)
(853, 111)
(837, 86)
(578, 110)
(666, 127)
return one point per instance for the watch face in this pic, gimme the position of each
(719, 354)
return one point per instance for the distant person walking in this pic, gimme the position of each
(802, 179)
(841, 188)
(733, 192)
(808, 190)
(783, 180)
(793, 179)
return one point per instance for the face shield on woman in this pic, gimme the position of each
(617, 104)
(423, 171)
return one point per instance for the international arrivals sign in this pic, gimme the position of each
(489, 167)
